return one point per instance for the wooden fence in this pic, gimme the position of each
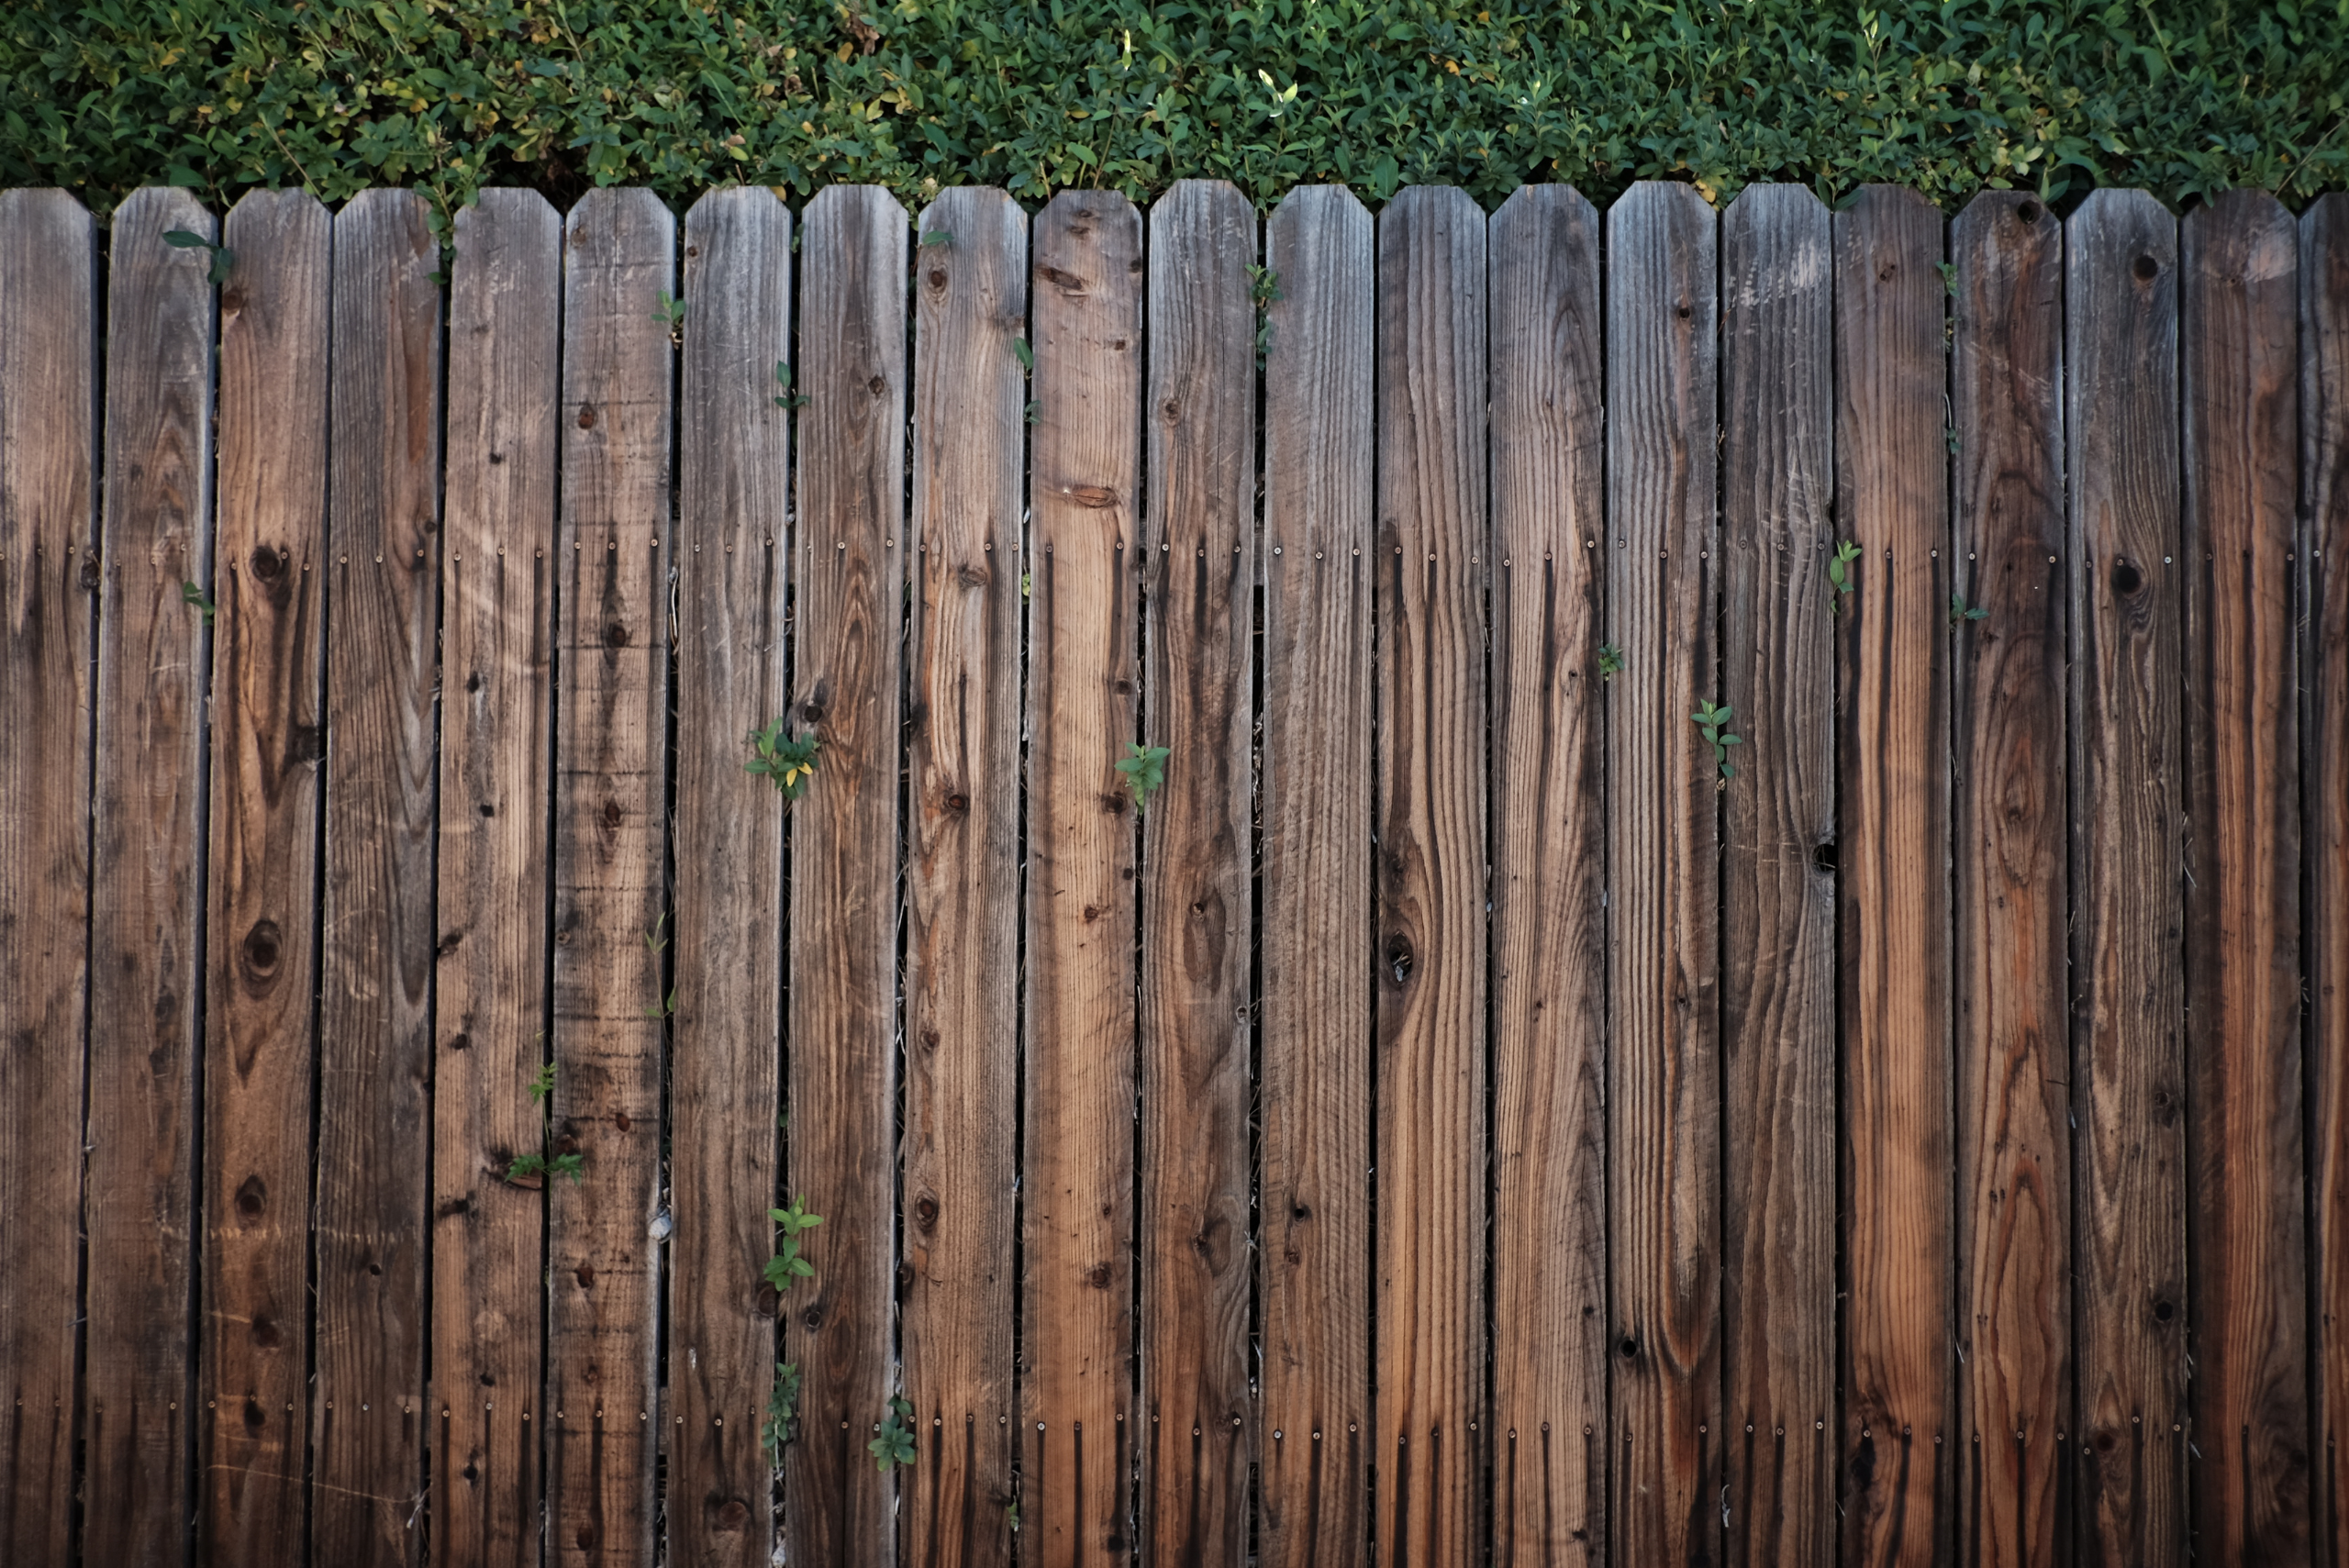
(1464, 1115)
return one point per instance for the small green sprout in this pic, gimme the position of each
(1960, 612)
(542, 1084)
(938, 237)
(193, 595)
(783, 1409)
(527, 1168)
(788, 1266)
(1838, 574)
(672, 315)
(1948, 269)
(1145, 770)
(789, 399)
(222, 257)
(1027, 355)
(1712, 722)
(895, 1446)
(788, 760)
(1610, 661)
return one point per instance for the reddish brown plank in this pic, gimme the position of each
(1313, 802)
(261, 882)
(1549, 884)
(2238, 311)
(49, 565)
(490, 988)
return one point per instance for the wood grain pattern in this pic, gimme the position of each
(2011, 1055)
(963, 877)
(1663, 852)
(1314, 801)
(610, 907)
(732, 639)
(1431, 880)
(497, 578)
(849, 586)
(1197, 927)
(2239, 311)
(2120, 418)
(1778, 899)
(1549, 884)
(1892, 742)
(383, 727)
(48, 567)
(262, 879)
(1085, 461)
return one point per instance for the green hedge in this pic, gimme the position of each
(449, 94)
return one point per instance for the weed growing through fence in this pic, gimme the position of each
(789, 399)
(542, 1084)
(1948, 269)
(788, 760)
(532, 1170)
(672, 315)
(938, 237)
(1263, 288)
(222, 257)
(1145, 770)
(1960, 612)
(1026, 357)
(1712, 722)
(1838, 574)
(895, 1446)
(787, 1266)
(192, 594)
(1610, 661)
(783, 1409)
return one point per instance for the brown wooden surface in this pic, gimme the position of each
(610, 907)
(483, 1419)
(261, 887)
(367, 1419)
(2010, 849)
(734, 451)
(49, 568)
(2238, 311)
(1549, 964)
(1314, 801)
(2128, 979)
(849, 586)
(1197, 927)
(962, 874)
(1076, 1304)
(1893, 968)
(1779, 610)
(1663, 852)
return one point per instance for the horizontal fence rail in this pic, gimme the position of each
(1421, 888)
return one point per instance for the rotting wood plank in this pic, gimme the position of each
(1430, 876)
(732, 540)
(848, 586)
(261, 889)
(1076, 1302)
(490, 980)
(611, 908)
(1549, 883)
(1892, 738)
(2010, 853)
(2239, 318)
(962, 875)
(1314, 801)
(1779, 606)
(49, 570)
(383, 677)
(2120, 419)
(1663, 852)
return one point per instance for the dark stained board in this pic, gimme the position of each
(1664, 859)
(1314, 801)
(261, 882)
(2246, 1318)
(1077, 1201)
(1549, 962)
(2127, 974)
(1780, 612)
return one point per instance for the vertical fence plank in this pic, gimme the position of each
(848, 582)
(963, 875)
(611, 909)
(2121, 420)
(261, 893)
(1548, 884)
(1314, 801)
(383, 673)
(1084, 466)
(489, 1002)
(1663, 852)
(1779, 606)
(2010, 940)
(734, 462)
(1892, 738)
(1197, 926)
(49, 565)
(2239, 313)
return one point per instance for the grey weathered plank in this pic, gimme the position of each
(1663, 851)
(1549, 883)
(1314, 801)
(261, 879)
(1778, 900)
(847, 587)
(1197, 929)
(734, 460)
(49, 568)
(2127, 976)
